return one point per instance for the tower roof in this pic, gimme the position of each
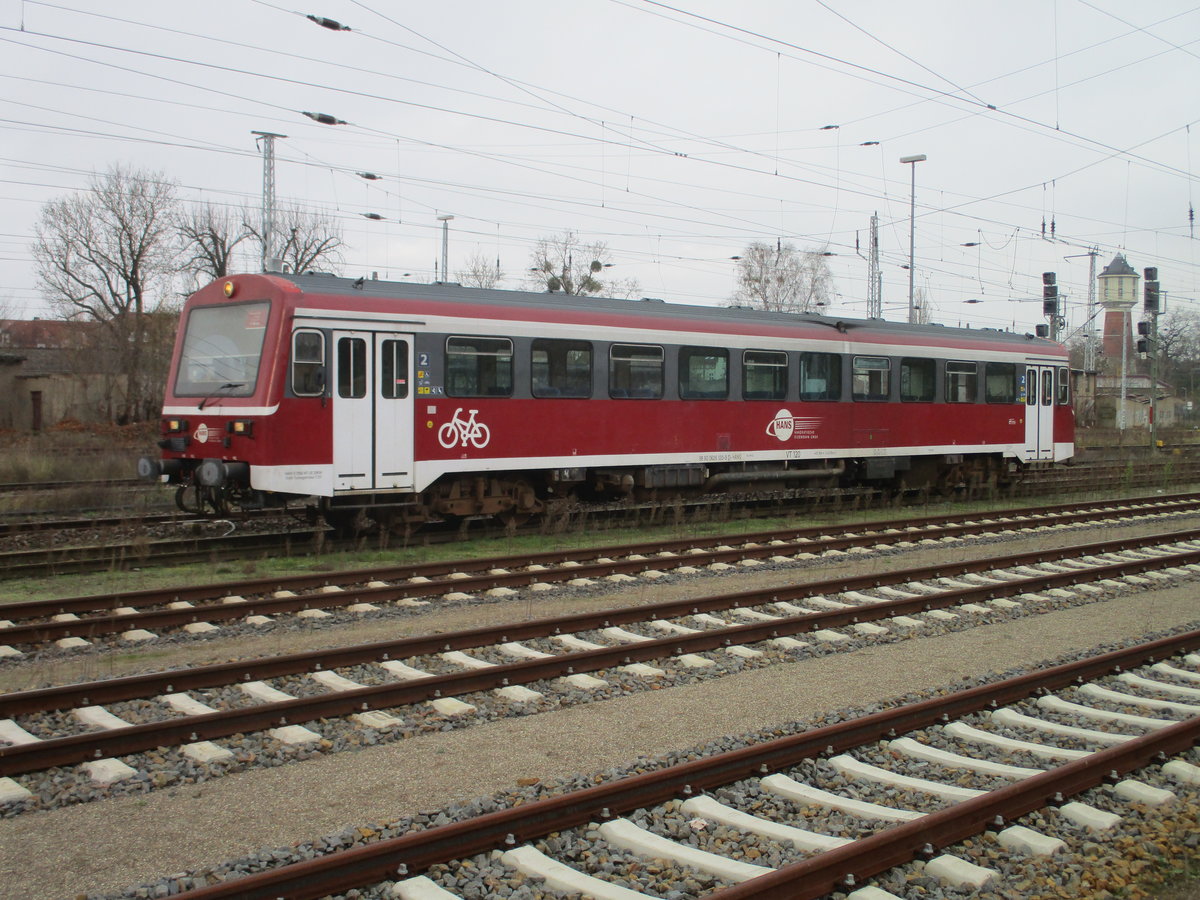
(1118, 267)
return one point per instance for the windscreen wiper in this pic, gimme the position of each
(228, 386)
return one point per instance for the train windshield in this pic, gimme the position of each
(222, 347)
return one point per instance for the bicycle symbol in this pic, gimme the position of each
(458, 431)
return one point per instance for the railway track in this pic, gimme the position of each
(396, 688)
(120, 550)
(135, 617)
(1024, 765)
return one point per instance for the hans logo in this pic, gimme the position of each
(785, 426)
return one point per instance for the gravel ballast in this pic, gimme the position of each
(110, 845)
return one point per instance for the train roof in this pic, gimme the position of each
(511, 302)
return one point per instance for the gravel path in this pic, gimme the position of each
(109, 845)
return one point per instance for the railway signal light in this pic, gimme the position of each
(1151, 301)
(1049, 294)
(1143, 346)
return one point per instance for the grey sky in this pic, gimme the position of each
(675, 132)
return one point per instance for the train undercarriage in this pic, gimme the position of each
(518, 497)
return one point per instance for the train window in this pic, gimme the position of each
(917, 378)
(635, 371)
(393, 370)
(962, 381)
(561, 368)
(820, 376)
(308, 363)
(352, 367)
(1064, 386)
(703, 373)
(764, 375)
(1000, 382)
(222, 347)
(479, 367)
(1047, 387)
(872, 378)
(1031, 380)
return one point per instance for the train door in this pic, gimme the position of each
(372, 416)
(393, 412)
(1039, 412)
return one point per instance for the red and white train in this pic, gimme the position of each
(434, 401)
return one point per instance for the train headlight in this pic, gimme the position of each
(175, 426)
(243, 427)
(230, 288)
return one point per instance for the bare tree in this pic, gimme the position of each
(480, 272)
(564, 263)
(305, 240)
(105, 255)
(782, 278)
(209, 236)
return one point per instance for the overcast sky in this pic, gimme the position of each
(676, 132)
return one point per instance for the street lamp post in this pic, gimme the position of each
(912, 234)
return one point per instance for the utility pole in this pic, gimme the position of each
(266, 140)
(874, 276)
(912, 233)
(445, 220)
(1090, 342)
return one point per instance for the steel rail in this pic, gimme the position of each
(416, 851)
(24, 758)
(1065, 512)
(138, 686)
(97, 626)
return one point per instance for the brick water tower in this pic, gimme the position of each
(1118, 295)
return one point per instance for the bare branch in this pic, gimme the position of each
(782, 278)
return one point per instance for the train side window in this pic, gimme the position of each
(917, 380)
(352, 367)
(703, 373)
(872, 378)
(1000, 383)
(820, 376)
(1063, 376)
(635, 372)
(393, 370)
(764, 375)
(308, 363)
(479, 367)
(561, 368)
(962, 381)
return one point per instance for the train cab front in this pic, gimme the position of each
(217, 409)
